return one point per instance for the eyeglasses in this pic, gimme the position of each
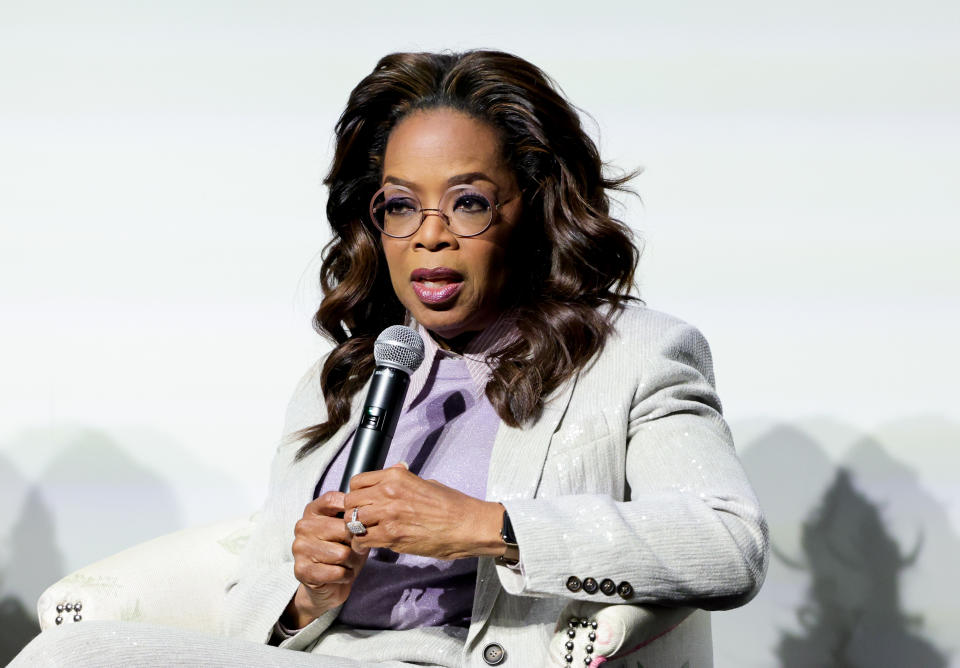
(467, 209)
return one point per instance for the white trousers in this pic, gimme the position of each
(129, 644)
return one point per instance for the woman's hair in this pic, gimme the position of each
(577, 261)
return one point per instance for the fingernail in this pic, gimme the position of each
(404, 465)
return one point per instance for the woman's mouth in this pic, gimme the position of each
(436, 286)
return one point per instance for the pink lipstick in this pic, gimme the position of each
(436, 286)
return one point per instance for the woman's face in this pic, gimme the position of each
(451, 285)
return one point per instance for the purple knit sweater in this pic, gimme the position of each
(445, 433)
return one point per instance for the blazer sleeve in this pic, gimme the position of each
(265, 581)
(689, 532)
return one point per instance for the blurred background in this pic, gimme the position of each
(161, 217)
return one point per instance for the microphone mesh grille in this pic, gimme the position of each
(399, 347)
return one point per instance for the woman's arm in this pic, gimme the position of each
(690, 532)
(266, 581)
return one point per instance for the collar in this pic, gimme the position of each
(476, 355)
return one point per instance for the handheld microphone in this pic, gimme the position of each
(398, 352)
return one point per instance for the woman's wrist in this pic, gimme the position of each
(489, 543)
(296, 615)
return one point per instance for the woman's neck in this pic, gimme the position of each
(456, 344)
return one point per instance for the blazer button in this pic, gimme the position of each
(590, 586)
(608, 587)
(625, 589)
(574, 584)
(493, 654)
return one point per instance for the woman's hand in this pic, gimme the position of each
(323, 561)
(408, 514)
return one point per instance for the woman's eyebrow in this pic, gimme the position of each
(468, 177)
(399, 182)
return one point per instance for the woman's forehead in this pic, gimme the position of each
(438, 145)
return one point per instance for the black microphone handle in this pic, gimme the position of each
(381, 410)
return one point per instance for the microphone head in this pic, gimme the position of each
(399, 347)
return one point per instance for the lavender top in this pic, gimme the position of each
(445, 432)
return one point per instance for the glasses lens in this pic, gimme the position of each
(468, 209)
(396, 212)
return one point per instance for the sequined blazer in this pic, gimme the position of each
(627, 490)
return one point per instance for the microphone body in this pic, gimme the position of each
(381, 410)
(398, 352)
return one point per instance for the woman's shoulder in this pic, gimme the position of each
(645, 340)
(306, 407)
(635, 320)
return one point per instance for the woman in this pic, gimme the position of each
(561, 449)
(466, 199)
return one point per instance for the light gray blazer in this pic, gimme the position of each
(629, 474)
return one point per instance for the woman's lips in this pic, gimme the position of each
(436, 286)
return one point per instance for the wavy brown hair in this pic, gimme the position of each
(578, 261)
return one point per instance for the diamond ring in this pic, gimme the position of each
(355, 526)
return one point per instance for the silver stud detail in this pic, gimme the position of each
(59, 620)
(568, 658)
(77, 606)
(588, 649)
(593, 624)
(571, 633)
(77, 618)
(592, 636)
(68, 607)
(584, 622)
(569, 645)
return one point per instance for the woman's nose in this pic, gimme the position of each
(434, 233)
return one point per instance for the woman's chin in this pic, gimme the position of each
(444, 329)
(446, 323)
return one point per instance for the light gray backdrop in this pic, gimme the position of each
(161, 215)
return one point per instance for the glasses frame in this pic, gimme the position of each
(424, 212)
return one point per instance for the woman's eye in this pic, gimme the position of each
(399, 206)
(471, 204)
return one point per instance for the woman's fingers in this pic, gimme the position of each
(321, 545)
(320, 550)
(408, 514)
(326, 562)
(323, 560)
(388, 534)
(316, 575)
(310, 529)
(320, 521)
(371, 478)
(375, 487)
(400, 511)
(327, 505)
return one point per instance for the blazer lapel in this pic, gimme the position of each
(516, 467)
(516, 463)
